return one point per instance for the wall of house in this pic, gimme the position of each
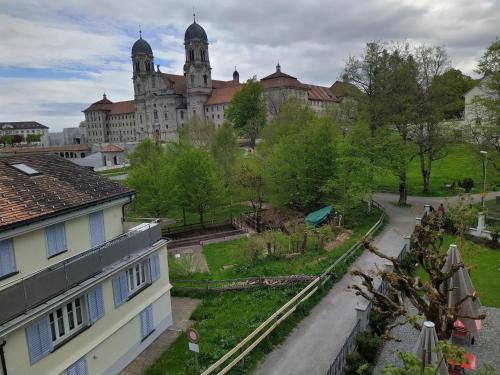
(31, 251)
(110, 343)
(216, 113)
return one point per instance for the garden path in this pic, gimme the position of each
(313, 345)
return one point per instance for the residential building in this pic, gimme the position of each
(78, 294)
(24, 128)
(164, 102)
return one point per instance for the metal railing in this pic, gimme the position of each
(338, 365)
(34, 289)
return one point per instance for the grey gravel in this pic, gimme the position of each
(486, 347)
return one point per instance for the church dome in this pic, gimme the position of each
(141, 46)
(195, 31)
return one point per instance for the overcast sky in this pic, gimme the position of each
(59, 56)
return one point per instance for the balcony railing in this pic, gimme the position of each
(33, 290)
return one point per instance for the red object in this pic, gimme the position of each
(469, 365)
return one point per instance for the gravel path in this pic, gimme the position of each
(486, 348)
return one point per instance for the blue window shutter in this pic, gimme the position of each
(7, 258)
(78, 368)
(96, 223)
(120, 288)
(149, 310)
(39, 340)
(154, 262)
(56, 239)
(144, 323)
(95, 303)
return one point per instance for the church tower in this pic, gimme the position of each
(197, 70)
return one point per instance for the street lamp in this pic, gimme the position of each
(485, 163)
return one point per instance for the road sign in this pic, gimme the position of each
(193, 336)
(194, 347)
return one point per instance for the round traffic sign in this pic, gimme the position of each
(193, 336)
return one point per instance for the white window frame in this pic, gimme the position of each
(138, 277)
(64, 315)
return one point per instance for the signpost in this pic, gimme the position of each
(194, 341)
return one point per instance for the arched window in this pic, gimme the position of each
(166, 115)
(137, 67)
(205, 80)
(148, 66)
(191, 55)
(155, 114)
(202, 54)
(192, 80)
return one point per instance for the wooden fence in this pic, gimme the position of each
(238, 353)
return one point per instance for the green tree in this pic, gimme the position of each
(487, 132)
(224, 150)
(200, 132)
(195, 181)
(30, 138)
(249, 181)
(149, 177)
(247, 110)
(300, 165)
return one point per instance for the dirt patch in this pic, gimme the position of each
(341, 238)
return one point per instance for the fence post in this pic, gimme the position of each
(361, 315)
(427, 208)
(481, 222)
(418, 221)
(408, 243)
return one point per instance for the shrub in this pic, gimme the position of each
(368, 345)
(408, 263)
(467, 184)
(377, 322)
(355, 361)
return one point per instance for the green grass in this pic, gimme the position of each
(461, 161)
(233, 253)
(485, 272)
(113, 172)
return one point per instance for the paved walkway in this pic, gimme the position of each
(182, 308)
(314, 343)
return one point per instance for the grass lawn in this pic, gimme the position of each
(223, 320)
(485, 272)
(233, 253)
(461, 161)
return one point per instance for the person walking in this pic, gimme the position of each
(441, 210)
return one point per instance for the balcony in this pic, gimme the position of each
(33, 290)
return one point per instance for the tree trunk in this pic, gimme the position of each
(201, 216)
(403, 193)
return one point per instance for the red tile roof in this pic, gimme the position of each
(111, 148)
(62, 187)
(38, 150)
(280, 79)
(107, 105)
(321, 93)
(222, 95)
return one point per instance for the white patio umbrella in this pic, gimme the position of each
(459, 286)
(427, 350)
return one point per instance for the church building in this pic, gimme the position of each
(164, 102)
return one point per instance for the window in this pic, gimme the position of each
(56, 239)
(203, 55)
(66, 320)
(147, 324)
(155, 114)
(136, 277)
(182, 115)
(165, 114)
(78, 368)
(96, 226)
(137, 67)
(192, 80)
(7, 258)
(191, 55)
(205, 80)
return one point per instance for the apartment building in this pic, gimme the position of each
(78, 294)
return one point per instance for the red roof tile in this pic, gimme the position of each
(222, 95)
(321, 93)
(127, 106)
(61, 187)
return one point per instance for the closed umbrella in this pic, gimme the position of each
(460, 286)
(427, 349)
